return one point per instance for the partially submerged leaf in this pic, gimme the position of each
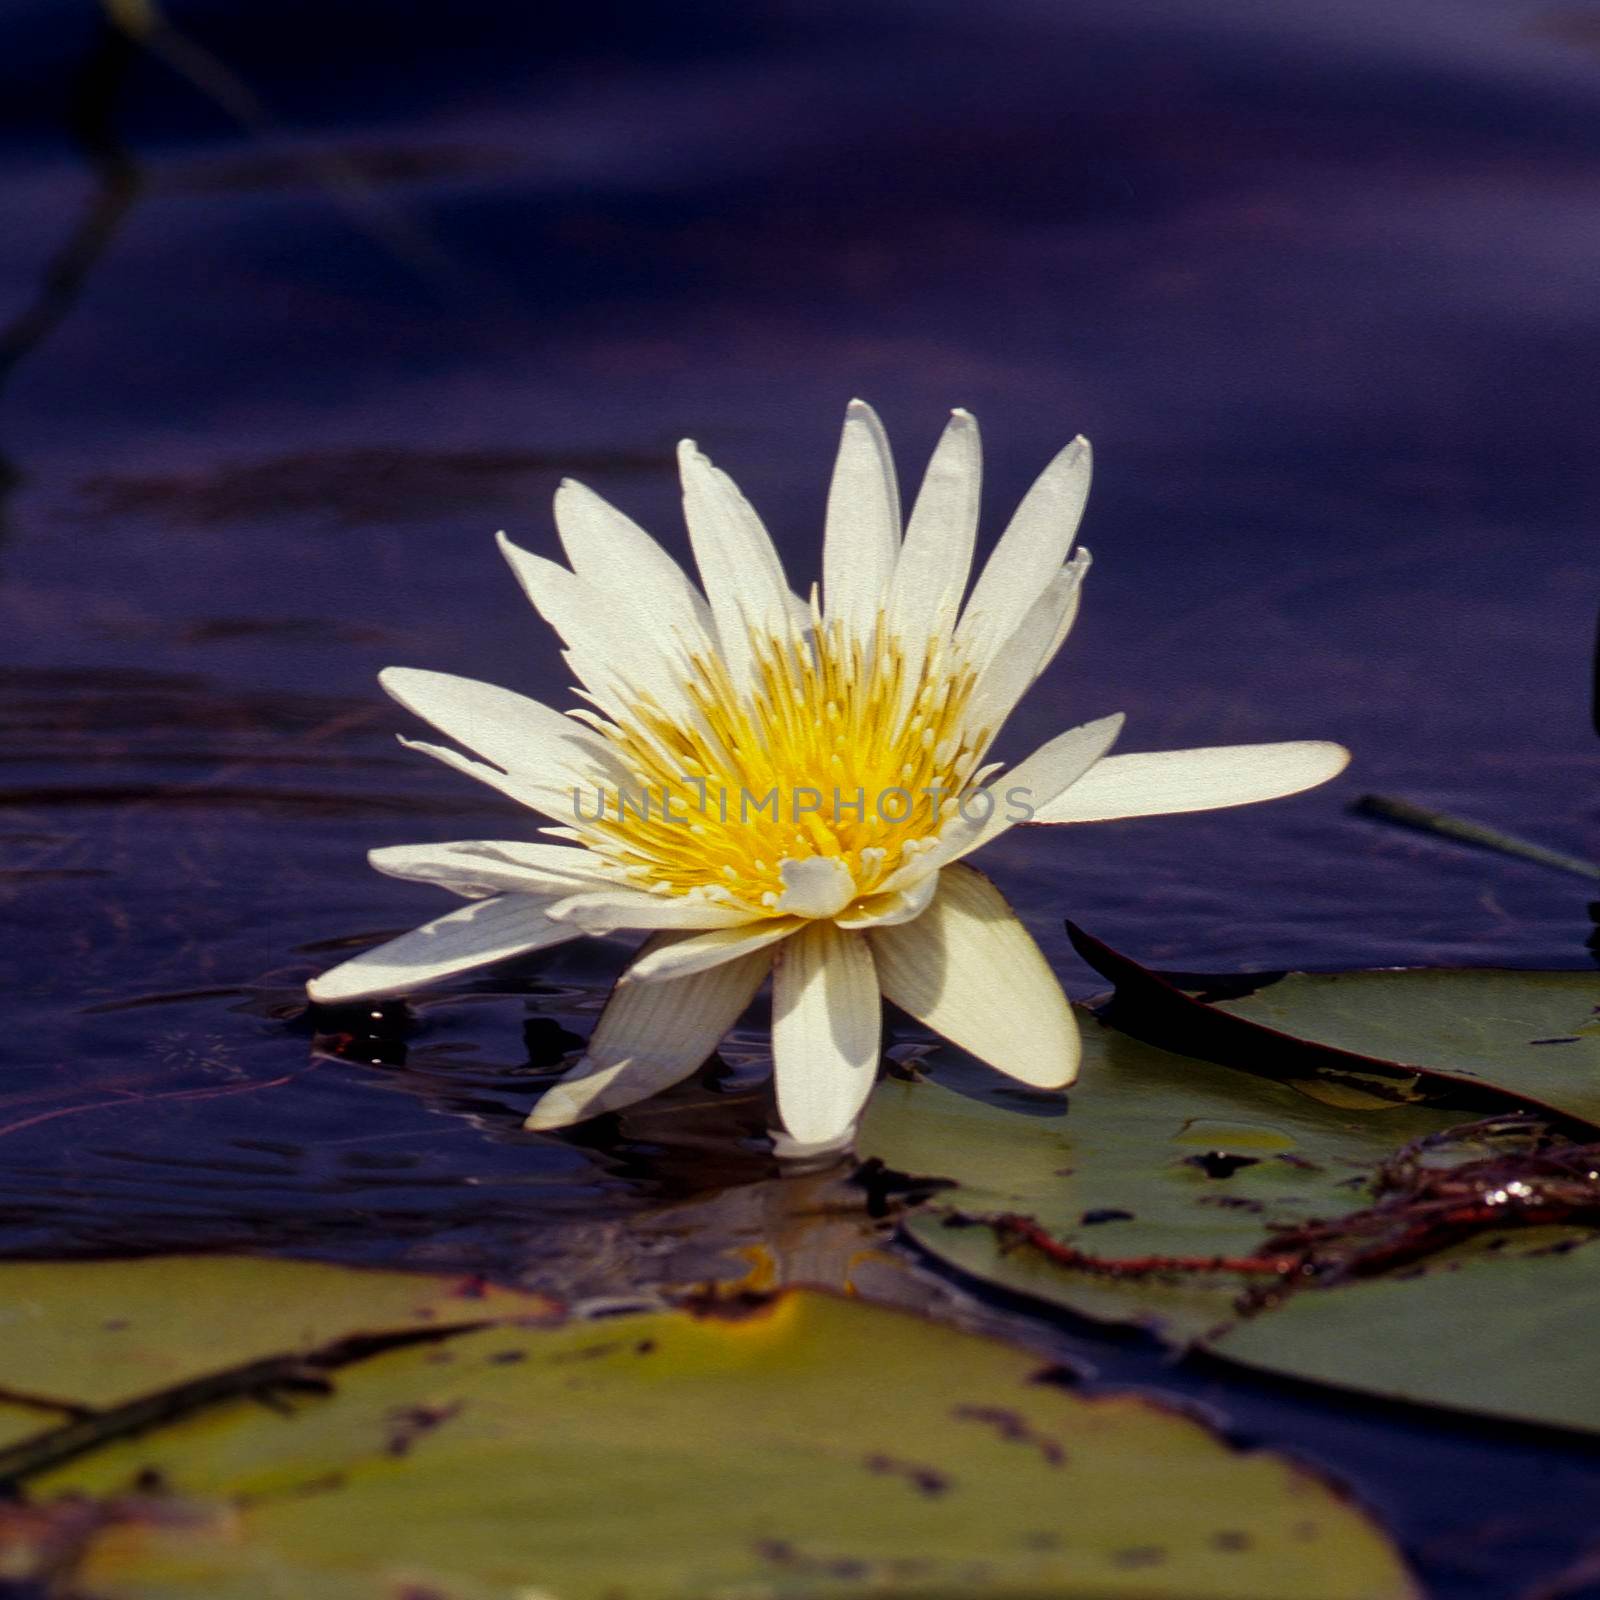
(1505, 1332)
(1482, 1041)
(1535, 1034)
(1347, 1244)
(806, 1446)
(98, 1333)
(1152, 1154)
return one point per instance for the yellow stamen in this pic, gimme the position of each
(830, 752)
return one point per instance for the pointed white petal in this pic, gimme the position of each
(606, 910)
(487, 930)
(650, 1036)
(815, 886)
(496, 866)
(826, 1021)
(519, 735)
(699, 952)
(615, 556)
(1067, 587)
(969, 970)
(1019, 794)
(1029, 554)
(617, 655)
(863, 528)
(541, 797)
(738, 562)
(936, 558)
(1160, 782)
(1014, 668)
(1012, 798)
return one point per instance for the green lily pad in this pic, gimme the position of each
(1529, 1033)
(805, 1446)
(86, 1336)
(1487, 1040)
(1151, 1154)
(98, 1333)
(1503, 1333)
(1156, 1197)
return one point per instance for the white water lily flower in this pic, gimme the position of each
(772, 785)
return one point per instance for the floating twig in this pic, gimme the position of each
(1443, 825)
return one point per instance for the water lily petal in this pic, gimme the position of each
(475, 935)
(1014, 797)
(606, 910)
(1029, 554)
(826, 1023)
(1161, 782)
(495, 866)
(969, 970)
(1067, 588)
(936, 558)
(699, 952)
(521, 736)
(541, 797)
(893, 905)
(618, 656)
(739, 566)
(1029, 650)
(863, 527)
(650, 1036)
(615, 556)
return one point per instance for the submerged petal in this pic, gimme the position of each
(826, 1023)
(1161, 782)
(970, 970)
(487, 930)
(650, 1036)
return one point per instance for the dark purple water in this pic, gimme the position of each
(300, 314)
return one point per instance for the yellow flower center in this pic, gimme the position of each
(837, 752)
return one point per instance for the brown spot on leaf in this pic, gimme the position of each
(408, 1424)
(1013, 1427)
(924, 1479)
(1220, 1163)
(1139, 1555)
(781, 1553)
